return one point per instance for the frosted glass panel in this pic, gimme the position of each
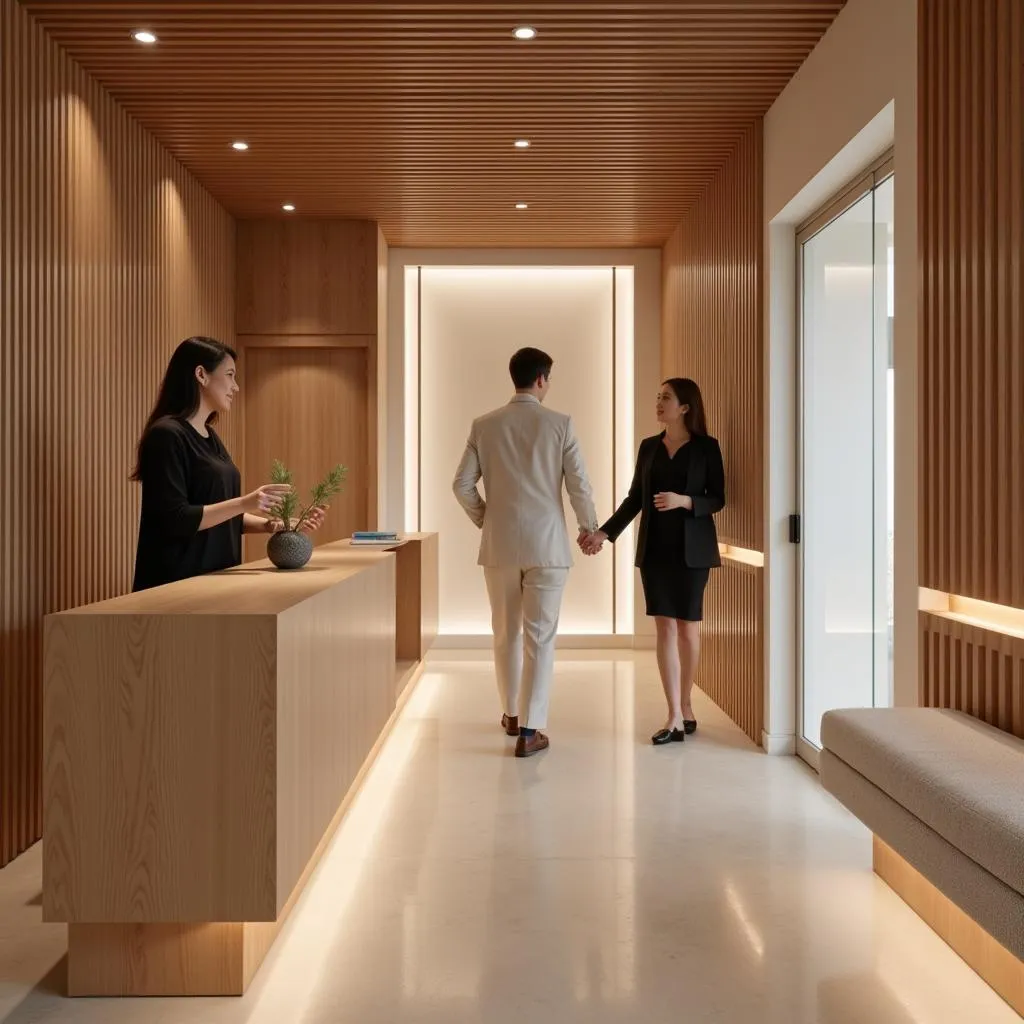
(839, 467)
(471, 321)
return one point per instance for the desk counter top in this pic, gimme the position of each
(257, 588)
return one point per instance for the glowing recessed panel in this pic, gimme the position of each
(625, 450)
(412, 399)
(471, 320)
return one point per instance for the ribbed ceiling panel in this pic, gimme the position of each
(406, 113)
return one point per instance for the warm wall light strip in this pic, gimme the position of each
(744, 555)
(1000, 618)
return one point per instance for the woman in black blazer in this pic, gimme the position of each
(679, 484)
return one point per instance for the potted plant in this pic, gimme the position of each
(290, 547)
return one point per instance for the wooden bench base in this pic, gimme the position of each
(1002, 971)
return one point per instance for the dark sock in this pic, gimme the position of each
(528, 733)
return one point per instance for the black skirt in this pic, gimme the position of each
(674, 591)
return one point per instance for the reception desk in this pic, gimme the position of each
(200, 743)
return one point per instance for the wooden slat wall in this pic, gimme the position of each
(712, 326)
(110, 253)
(971, 385)
(971, 186)
(712, 332)
(972, 669)
(731, 669)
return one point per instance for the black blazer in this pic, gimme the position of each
(705, 484)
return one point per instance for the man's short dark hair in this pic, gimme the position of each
(527, 365)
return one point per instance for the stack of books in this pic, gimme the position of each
(378, 537)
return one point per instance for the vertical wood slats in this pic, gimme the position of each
(712, 331)
(110, 253)
(731, 669)
(972, 291)
(972, 669)
(712, 326)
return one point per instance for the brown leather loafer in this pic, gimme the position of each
(510, 723)
(528, 746)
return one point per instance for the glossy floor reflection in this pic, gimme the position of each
(603, 881)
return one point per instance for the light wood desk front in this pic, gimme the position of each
(200, 740)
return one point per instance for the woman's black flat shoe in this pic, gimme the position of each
(668, 736)
(689, 726)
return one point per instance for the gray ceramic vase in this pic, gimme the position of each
(289, 549)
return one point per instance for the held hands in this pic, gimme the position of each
(591, 543)
(665, 501)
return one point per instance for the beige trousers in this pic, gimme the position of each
(525, 604)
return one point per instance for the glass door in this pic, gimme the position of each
(845, 446)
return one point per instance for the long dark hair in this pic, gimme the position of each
(179, 392)
(688, 393)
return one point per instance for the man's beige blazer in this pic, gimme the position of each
(524, 452)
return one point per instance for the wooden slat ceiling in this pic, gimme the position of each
(406, 113)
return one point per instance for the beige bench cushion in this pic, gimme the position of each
(959, 776)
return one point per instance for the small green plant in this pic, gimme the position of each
(287, 511)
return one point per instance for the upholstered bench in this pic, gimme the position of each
(944, 795)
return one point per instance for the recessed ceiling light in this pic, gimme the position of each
(522, 143)
(143, 35)
(522, 206)
(240, 146)
(525, 32)
(288, 208)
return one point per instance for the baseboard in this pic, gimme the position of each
(779, 744)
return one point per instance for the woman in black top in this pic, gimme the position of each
(679, 484)
(193, 510)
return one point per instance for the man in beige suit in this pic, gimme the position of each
(524, 452)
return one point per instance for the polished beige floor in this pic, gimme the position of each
(603, 881)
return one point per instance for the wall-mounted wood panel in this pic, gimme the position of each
(971, 188)
(110, 253)
(972, 669)
(731, 670)
(307, 277)
(316, 284)
(712, 327)
(308, 408)
(406, 112)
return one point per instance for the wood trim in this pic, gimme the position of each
(305, 341)
(112, 253)
(996, 965)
